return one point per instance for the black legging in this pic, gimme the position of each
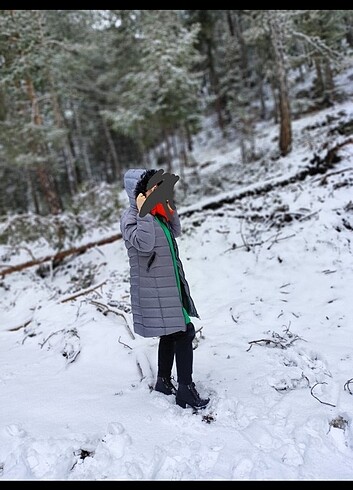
(180, 345)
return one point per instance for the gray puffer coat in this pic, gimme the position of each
(155, 301)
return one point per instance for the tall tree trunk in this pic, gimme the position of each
(2, 106)
(168, 151)
(275, 100)
(285, 138)
(175, 145)
(188, 138)
(242, 44)
(45, 179)
(319, 77)
(116, 167)
(230, 23)
(68, 155)
(215, 86)
(82, 143)
(262, 99)
(329, 83)
(32, 195)
(349, 28)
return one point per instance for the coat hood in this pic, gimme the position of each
(131, 178)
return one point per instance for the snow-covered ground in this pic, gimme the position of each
(271, 277)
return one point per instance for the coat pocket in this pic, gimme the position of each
(150, 261)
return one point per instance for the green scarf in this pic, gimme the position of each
(171, 246)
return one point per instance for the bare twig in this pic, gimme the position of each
(336, 172)
(51, 335)
(276, 343)
(231, 314)
(287, 328)
(277, 239)
(28, 250)
(199, 330)
(318, 399)
(122, 343)
(246, 245)
(83, 292)
(105, 310)
(31, 334)
(142, 376)
(307, 216)
(14, 329)
(346, 386)
(277, 340)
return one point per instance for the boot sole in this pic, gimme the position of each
(183, 404)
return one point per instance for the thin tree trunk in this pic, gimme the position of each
(32, 192)
(215, 87)
(243, 48)
(183, 160)
(349, 29)
(319, 77)
(275, 101)
(188, 138)
(116, 168)
(329, 82)
(285, 138)
(175, 146)
(44, 177)
(262, 99)
(230, 23)
(168, 152)
(60, 123)
(83, 149)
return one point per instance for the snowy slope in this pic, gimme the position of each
(270, 276)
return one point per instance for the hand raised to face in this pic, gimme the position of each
(162, 185)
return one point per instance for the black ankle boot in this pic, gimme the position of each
(165, 385)
(187, 395)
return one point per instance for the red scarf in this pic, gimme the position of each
(159, 209)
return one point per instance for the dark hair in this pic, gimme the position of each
(141, 185)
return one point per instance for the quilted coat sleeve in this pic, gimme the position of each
(175, 224)
(138, 231)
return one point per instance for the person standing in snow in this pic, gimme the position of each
(160, 296)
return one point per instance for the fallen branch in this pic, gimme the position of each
(105, 310)
(329, 174)
(14, 329)
(60, 256)
(276, 343)
(318, 399)
(310, 215)
(318, 166)
(277, 340)
(82, 292)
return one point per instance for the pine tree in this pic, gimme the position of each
(158, 95)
